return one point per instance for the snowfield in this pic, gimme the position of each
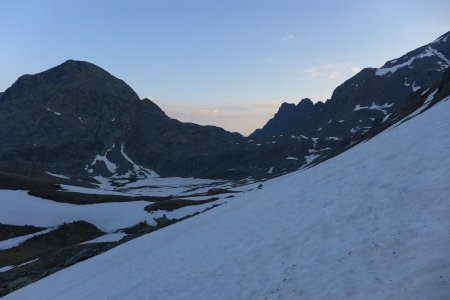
(371, 223)
(429, 51)
(19, 208)
(152, 186)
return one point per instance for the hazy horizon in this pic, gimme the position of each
(226, 64)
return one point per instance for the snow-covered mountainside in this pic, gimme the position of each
(371, 223)
(369, 97)
(362, 105)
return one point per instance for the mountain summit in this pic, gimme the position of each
(62, 116)
(60, 120)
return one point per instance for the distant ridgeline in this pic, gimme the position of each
(78, 120)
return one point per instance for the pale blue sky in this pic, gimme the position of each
(227, 63)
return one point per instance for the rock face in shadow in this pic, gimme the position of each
(61, 119)
(78, 120)
(365, 99)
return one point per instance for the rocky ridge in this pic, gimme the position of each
(79, 121)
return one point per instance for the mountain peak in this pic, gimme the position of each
(78, 110)
(286, 107)
(75, 68)
(62, 82)
(306, 102)
(372, 93)
(73, 62)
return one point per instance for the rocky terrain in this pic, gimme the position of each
(366, 99)
(53, 226)
(85, 165)
(66, 119)
(80, 121)
(371, 223)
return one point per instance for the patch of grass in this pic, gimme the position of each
(47, 190)
(218, 191)
(210, 192)
(66, 235)
(50, 191)
(171, 205)
(80, 198)
(53, 261)
(19, 182)
(47, 264)
(12, 231)
(139, 228)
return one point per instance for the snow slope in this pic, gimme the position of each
(151, 186)
(371, 223)
(19, 208)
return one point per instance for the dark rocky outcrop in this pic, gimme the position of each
(61, 119)
(78, 120)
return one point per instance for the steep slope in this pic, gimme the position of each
(371, 223)
(307, 133)
(171, 147)
(365, 99)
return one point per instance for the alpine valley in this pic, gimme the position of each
(346, 198)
